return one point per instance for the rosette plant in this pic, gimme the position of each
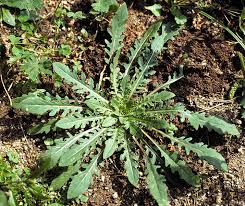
(130, 117)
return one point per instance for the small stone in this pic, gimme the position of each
(199, 161)
(106, 188)
(241, 150)
(115, 195)
(135, 204)
(102, 178)
(238, 121)
(204, 63)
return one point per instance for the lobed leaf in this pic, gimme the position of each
(153, 99)
(38, 103)
(156, 183)
(131, 163)
(111, 145)
(77, 151)
(78, 85)
(43, 127)
(208, 154)
(114, 46)
(52, 156)
(140, 45)
(157, 45)
(116, 31)
(212, 123)
(81, 182)
(64, 177)
(172, 161)
(77, 121)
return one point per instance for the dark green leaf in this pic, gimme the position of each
(8, 18)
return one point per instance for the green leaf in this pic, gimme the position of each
(23, 4)
(81, 182)
(172, 161)
(157, 45)
(152, 99)
(52, 156)
(40, 104)
(155, 9)
(33, 68)
(3, 199)
(131, 163)
(13, 156)
(109, 121)
(43, 127)
(64, 177)
(169, 31)
(115, 44)
(140, 76)
(222, 127)
(243, 105)
(8, 18)
(116, 31)
(76, 151)
(103, 6)
(77, 15)
(178, 16)
(208, 154)
(197, 120)
(212, 123)
(96, 105)
(11, 200)
(111, 144)
(243, 102)
(77, 121)
(14, 40)
(156, 183)
(78, 85)
(65, 50)
(140, 45)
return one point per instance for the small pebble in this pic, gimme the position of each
(241, 150)
(115, 195)
(103, 178)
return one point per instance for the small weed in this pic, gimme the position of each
(65, 50)
(24, 5)
(18, 188)
(126, 117)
